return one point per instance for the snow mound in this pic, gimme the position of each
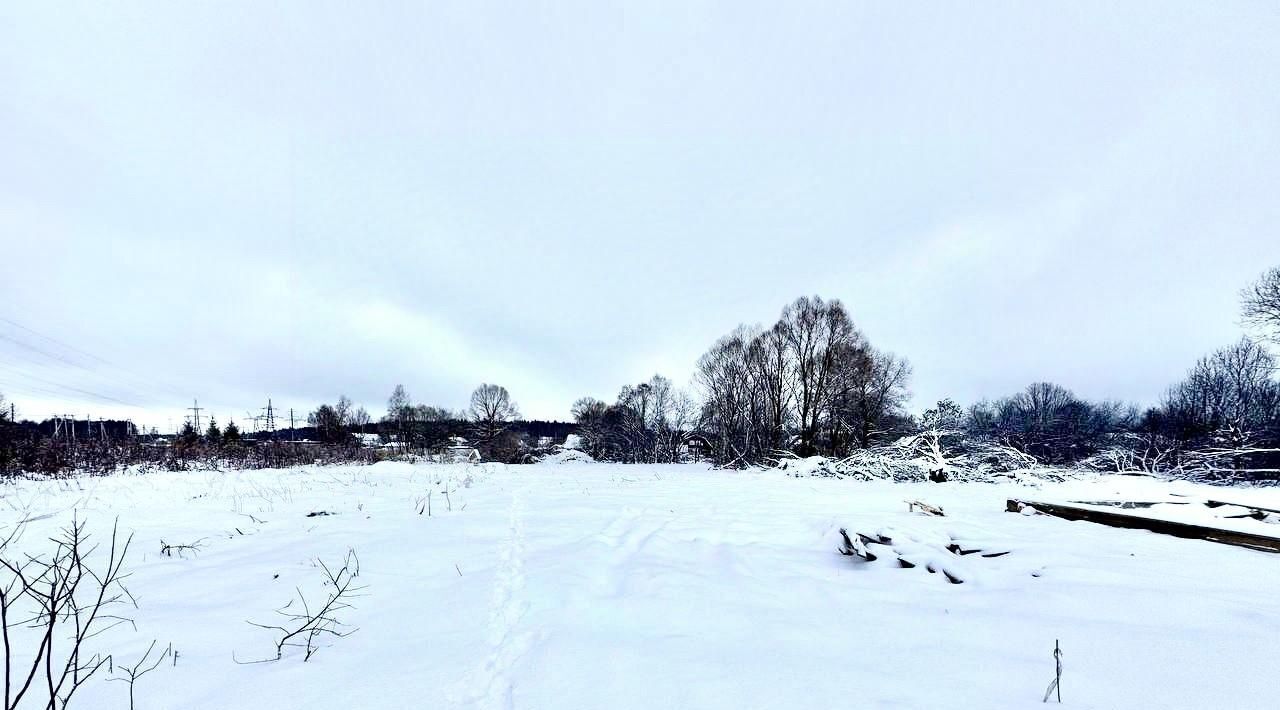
(810, 466)
(567, 456)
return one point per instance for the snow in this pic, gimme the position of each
(590, 585)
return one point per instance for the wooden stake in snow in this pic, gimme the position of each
(1057, 677)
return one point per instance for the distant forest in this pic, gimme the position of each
(810, 384)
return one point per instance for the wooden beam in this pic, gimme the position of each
(1220, 503)
(1252, 541)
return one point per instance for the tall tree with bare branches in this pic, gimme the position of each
(1261, 304)
(819, 333)
(491, 409)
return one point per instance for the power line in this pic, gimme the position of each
(55, 341)
(31, 389)
(69, 387)
(45, 366)
(146, 383)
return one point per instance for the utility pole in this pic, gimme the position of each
(71, 435)
(196, 408)
(291, 434)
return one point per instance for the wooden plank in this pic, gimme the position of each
(1219, 503)
(1252, 541)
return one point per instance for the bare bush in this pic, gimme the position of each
(304, 626)
(180, 550)
(60, 602)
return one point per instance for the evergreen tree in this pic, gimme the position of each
(188, 437)
(231, 435)
(213, 435)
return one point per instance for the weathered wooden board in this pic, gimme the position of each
(1167, 527)
(1219, 503)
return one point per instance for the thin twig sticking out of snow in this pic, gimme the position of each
(132, 674)
(1057, 678)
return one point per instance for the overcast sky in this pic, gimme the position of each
(236, 200)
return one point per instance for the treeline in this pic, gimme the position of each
(809, 384)
(491, 425)
(341, 432)
(650, 422)
(813, 384)
(1222, 420)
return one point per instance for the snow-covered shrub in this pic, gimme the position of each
(567, 456)
(929, 456)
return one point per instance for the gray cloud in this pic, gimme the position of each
(233, 201)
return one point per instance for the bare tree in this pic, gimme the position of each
(344, 409)
(588, 412)
(399, 410)
(330, 424)
(644, 431)
(491, 410)
(728, 395)
(8, 439)
(945, 416)
(871, 389)
(1049, 422)
(1261, 304)
(819, 333)
(769, 361)
(1229, 398)
(360, 418)
(684, 418)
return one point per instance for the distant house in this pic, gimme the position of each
(695, 447)
(459, 451)
(159, 442)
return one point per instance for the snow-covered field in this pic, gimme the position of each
(592, 585)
